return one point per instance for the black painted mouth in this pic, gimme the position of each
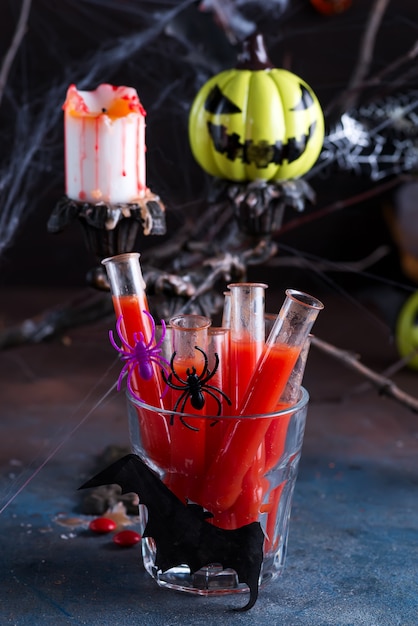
(261, 153)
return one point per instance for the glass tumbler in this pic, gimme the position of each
(261, 491)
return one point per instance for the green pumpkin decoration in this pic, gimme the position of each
(256, 122)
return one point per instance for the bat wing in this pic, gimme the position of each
(181, 532)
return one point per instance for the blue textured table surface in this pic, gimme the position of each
(353, 545)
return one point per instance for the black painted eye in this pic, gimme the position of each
(217, 103)
(306, 100)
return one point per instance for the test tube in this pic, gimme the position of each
(217, 403)
(218, 346)
(127, 287)
(190, 345)
(281, 430)
(130, 303)
(226, 312)
(187, 451)
(291, 392)
(247, 335)
(283, 346)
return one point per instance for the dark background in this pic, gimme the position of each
(167, 50)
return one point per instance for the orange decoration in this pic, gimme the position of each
(331, 7)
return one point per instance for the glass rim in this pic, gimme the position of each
(304, 299)
(205, 322)
(124, 256)
(294, 408)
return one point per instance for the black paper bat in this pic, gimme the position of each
(180, 531)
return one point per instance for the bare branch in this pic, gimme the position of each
(384, 385)
(342, 204)
(14, 46)
(350, 95)
(394, 66)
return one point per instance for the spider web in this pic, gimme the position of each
(376, 140)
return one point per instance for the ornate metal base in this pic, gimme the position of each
(110, 229)
(259, 205)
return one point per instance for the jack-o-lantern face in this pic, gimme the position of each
(246, 125)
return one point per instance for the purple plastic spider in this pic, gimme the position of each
(141, 356)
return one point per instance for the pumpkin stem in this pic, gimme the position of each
(253, 55)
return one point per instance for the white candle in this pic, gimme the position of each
(104, 145)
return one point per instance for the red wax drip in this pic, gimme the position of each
(123, 146)
(139, 156)
(96, 160)
(82, 194)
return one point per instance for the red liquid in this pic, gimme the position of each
(270, 378)
(275, 439)
(181, 366)
(187, 448)
(131, 308)
(244, 356)
(271, 541)
(215, 427)
(248, 505)
(152, 427)
(221, 378)
(243, 438)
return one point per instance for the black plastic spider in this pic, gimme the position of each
(194, 386)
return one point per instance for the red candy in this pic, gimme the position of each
(102, 525)
(126, 538)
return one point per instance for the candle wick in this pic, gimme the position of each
(104, 110)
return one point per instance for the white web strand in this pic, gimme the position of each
(63, 441)
(29, 169)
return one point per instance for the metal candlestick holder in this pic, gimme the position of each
(110, 229)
